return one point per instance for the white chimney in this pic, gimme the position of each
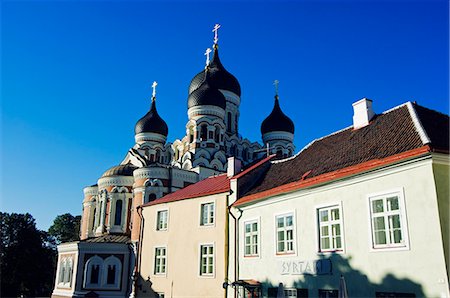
(362, 113)
(234, 166)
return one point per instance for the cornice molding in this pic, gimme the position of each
(115, 181)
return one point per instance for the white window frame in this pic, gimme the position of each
(319, 225)
(158, 227)
(404, 245)
(213, 261)
(208, 223)
(288, 292)
(292, 252)
(162, 258)
(252, 233)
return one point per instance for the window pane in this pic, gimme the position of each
(397, 236)
(335, 214)
(255, 227)
(380, 237)
(338, 242)
(280, 221)
(280, 246)
(392, 203)
(336, 230)
(324, 215)
(247, 228)
(395, 221)
(378, 223)
(325, 243)
(377, 206)
(288, 221)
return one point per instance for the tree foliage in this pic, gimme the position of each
(27, 257)
(65, 228)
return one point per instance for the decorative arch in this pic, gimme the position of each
(186, 156)
(203, 153)
(187, 165)
(220, 156)
(112, 268)
(200, 162)
(216, 164)
(93, 270)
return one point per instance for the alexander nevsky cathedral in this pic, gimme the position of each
(111, 219)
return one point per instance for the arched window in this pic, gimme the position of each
(217, 135)
(158, 156)
(244, 154)
(151, 197)
(233, 150)
(93, 272)
(279, 152)
(93, 218)
(112, 268)
(191, 134)
(203, 132)
(118, 214)
(229, 122)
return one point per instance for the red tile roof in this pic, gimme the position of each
(391, 136)
(209, 186)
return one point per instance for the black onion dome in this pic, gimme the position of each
(152, 122)
(277, 120)
(205, 94)
(120, 170)
(220, 77)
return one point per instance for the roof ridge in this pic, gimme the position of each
(418, 124)
(309, 145)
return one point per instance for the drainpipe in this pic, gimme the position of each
(139, 248)
(227, 243)
(236, 250)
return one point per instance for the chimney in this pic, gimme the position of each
(362, 113)
(234, 166)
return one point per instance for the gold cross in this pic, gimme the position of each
(215, 30)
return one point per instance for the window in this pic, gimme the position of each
(387, 221)
(229, 122)
(207, 259)
(65, 272)
(217, 134)
(160, 260)
(161, 224)
(285, 233)
(330, 225)
(160, 295)
(207, 214)
(251, 238)
(118, 215)
(203, 132)
(288, 293)
(328, 293)
(93, 272)
(111, 272)
(394, 295)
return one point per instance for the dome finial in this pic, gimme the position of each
(208, 50)
(275, 83)
(154, 90)
(215, 30)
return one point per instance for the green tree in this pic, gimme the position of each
(65, 228)
(27, 259)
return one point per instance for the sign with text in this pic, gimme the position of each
(313, 267)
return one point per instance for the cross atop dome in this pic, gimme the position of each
(275, 83)
(215, 30)
(154, 90)
(207, 52)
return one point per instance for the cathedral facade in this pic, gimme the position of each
(103, 262)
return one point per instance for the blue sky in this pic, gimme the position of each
(76, 76)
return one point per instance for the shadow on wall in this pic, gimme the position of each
(358, 285)
(144, 289)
